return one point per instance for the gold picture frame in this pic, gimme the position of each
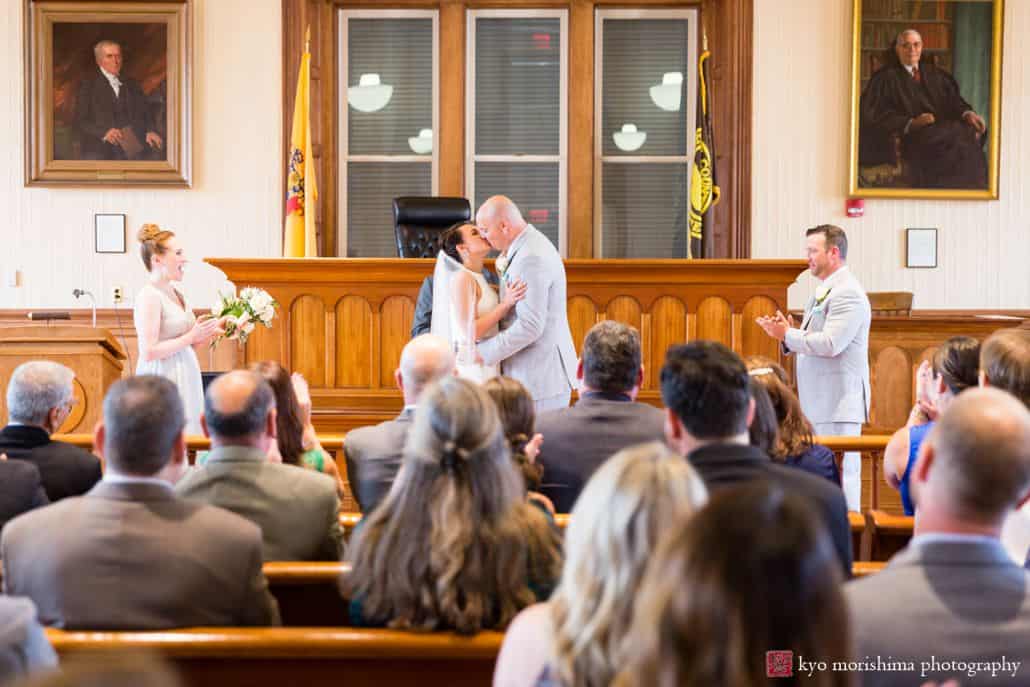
(894, 153)
(129, 125)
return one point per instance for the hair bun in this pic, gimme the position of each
(149, 232)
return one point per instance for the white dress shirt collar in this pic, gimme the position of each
(114, 477)
(115, 82)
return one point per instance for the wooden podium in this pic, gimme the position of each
(92, 353)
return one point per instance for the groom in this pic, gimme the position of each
(536, 347)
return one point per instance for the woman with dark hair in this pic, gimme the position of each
(955, 367)
(752, 571)
(466, 308)
(792, 443)
(296, 442)
(518, 416)
(454, 545)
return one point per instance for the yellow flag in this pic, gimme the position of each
(301, 189)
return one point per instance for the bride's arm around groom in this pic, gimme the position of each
(536, 346)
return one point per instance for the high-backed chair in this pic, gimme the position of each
(419, 222)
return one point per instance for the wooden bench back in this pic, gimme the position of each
(302, 657)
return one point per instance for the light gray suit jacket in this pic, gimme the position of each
(132, 556)
(374, 456)
(297, 509)
(24, 647)
(949, 599)
(536, 348)
(832, 344)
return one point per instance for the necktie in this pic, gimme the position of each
(916, 76)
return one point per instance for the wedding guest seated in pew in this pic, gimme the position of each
(579, 637)
(606, 418)
(24, 647)
(752, 572)
(374, 453)
(705, 387)
(39, 400)
(517, 412)
(21, 489)
(454, 545)
(296, 442)
(954, 369)
(954, 594)
(793, 444)
(1005, 362)
(130, 554)
(298, 510)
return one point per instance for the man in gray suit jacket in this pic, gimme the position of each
(297, 509)
(536, 348)
(832, 347)
(606, 419)
(129, 555)
(953, 598)
(374, 453)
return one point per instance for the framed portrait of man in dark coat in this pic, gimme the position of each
(926, 99)
(109, 92)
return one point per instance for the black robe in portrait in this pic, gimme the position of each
(946, 154)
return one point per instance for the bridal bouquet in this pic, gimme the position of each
(242, 313)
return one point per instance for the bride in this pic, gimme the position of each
(466, 308)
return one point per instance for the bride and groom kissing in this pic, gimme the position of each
(521, 330)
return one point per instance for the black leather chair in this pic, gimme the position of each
(419, 222)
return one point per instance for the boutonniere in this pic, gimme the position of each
(821, 293)
(502, 264)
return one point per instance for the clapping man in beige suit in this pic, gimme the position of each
(130, 555)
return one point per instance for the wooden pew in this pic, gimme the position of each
(866, 568)
(888, 533)
(308, 592)
(302, 657)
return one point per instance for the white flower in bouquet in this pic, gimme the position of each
(242, 312)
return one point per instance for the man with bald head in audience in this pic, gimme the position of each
(130, 555)
(535, 345)
(954, 595)
(374, 453)
(297, 509)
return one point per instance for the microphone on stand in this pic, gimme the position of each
(83, 292)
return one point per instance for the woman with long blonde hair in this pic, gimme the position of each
(578, 639)
(752, 572)
(454, 545)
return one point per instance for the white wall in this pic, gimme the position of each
(802, 90)
(234, 205)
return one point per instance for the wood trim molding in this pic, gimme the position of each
(729, 25)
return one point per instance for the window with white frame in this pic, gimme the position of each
(388, 122)
(645, 88)
(516, 113)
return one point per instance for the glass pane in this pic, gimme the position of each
(518, 86)
(400, 53)
(644, 211)
(371, 188)
(532, 185)
(637, 54)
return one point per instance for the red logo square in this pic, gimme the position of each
(779, 663)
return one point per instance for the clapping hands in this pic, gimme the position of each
(776, 325)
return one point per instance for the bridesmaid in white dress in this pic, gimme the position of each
(473, 309)
(166, 328)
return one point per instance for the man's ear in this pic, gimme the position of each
(640, 376)
(981, 378)
(53, 418)
(270, 423)
(203, 426)
(179, 449)
(924, 460)
(99, 432)
(674, 429)
(750, 411)
(398, 379)
(579, 370)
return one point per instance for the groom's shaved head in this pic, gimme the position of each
(500, 221)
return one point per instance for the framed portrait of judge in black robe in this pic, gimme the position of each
(926, 99)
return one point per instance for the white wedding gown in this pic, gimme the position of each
(181, 367)
(488, 300)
